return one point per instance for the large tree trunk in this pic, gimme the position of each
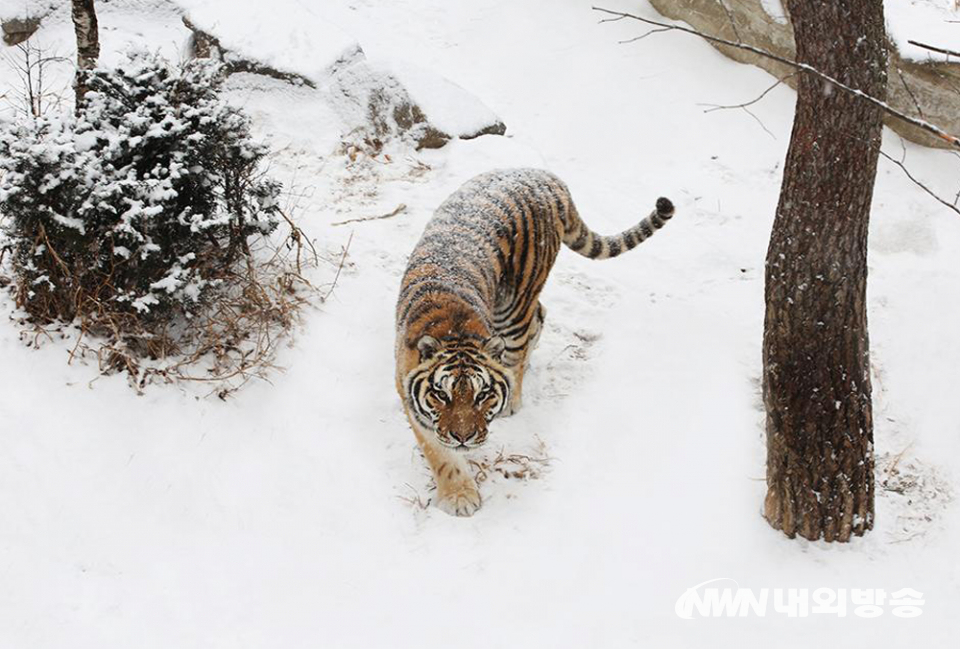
(88, 43)
(816, 384)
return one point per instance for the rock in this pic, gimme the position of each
(20, 19)
(379, 101)
(932, 83)
(206, 46)
(17, 30)
(376, 101)
(375, 107)
(447, 106)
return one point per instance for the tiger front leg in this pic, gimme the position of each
(516, 395)
(457, 492)
(529, 344)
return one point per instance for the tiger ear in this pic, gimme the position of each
(427, 346)
(495, 346)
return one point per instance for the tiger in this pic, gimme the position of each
(469, 312)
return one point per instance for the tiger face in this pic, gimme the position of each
(458, 389)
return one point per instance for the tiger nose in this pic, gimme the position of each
(463, 437)
(467, 435)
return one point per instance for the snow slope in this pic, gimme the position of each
(934, 22)
(282, 517)
(264, 31)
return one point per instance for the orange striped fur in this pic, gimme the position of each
(469, 314)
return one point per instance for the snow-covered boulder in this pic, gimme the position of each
(204, 45)
(376, 100)
(19, 19)
(379, 100)
(448, 107)
(17, 30)
(303, 44)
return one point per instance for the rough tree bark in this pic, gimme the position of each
(816, 383)
(88, 43)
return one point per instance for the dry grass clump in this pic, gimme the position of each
(232, 339)
(491, 468)
(914, 496)
(235, 336)
(513, 466)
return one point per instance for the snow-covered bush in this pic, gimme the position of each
(139, 208)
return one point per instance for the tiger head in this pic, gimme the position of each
(458, 388)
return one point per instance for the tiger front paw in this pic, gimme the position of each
(460, 500)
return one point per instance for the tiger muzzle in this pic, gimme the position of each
(462, 430)
(462, 439)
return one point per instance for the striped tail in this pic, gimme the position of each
(582, 240)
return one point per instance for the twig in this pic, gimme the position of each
(805, 67)
(743, 106)
(414, 500)
(336, 277)
(514, 466)
(935, 49)
(903, 168)
(896, 460)
(733, 24)
(401, 207)
(714, 107)
(29, 66)
(641, 36)
(910, 92)
(918, 183)
(760, 122)
(297, 236)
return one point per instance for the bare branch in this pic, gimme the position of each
(713, 107)
(935, 49)
(401, 207)
(910, 92)
(29, 63)
(733, 24)
(642, 36)
(804, 67)
(919, 184)
(609, 20)
(336, 278)
(759, 121)
(744, 106)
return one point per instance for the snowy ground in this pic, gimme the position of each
(288, 516)
(928, 21)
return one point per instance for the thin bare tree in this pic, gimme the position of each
(816, 369)
(88, 43)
